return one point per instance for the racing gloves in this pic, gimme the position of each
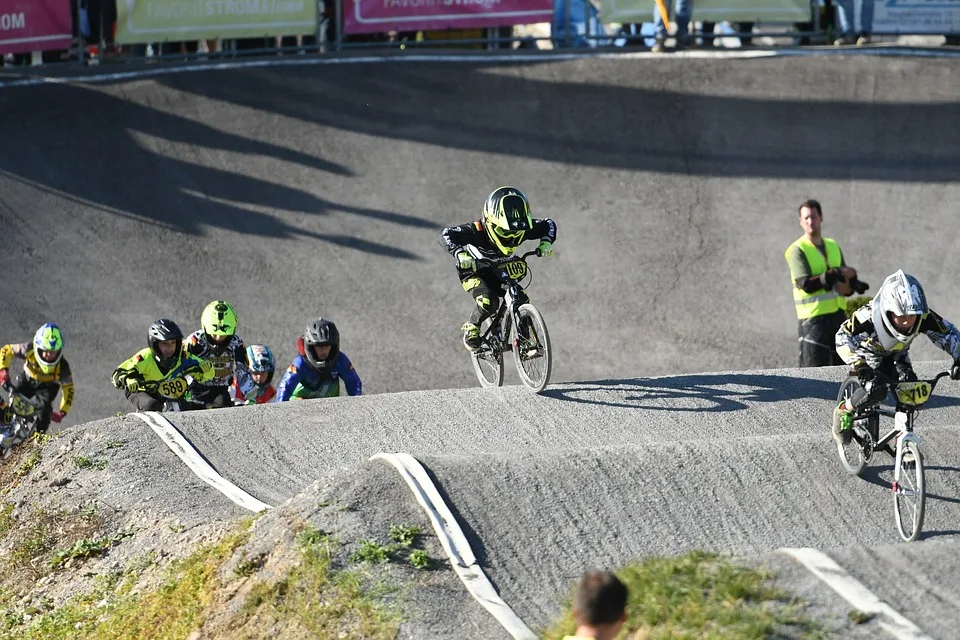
(545, 250)
(466, 261)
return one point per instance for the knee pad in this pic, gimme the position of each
(485, 303)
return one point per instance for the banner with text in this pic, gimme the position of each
(377, 16)
(142, 21)
(629, 11)
(35, 25)
(916, 16)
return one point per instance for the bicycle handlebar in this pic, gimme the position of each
(502, 261)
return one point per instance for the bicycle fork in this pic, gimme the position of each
(905, 436)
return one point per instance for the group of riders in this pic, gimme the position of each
(211, 368)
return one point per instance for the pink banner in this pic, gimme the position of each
(35, 25)
(378, 16)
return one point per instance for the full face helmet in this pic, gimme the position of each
(899, 295)
(320, 332)
(48, 347)
(219, 322)
(260, 360)
(161, 331)
(507, 218)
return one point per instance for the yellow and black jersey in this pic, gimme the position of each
(454, 238)
(145, 364)
(60, 375)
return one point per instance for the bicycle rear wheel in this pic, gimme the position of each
(488, 360)
(855, 454)
(532, 352)
(909, 493)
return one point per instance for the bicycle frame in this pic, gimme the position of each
(506, 313)
(903, 419)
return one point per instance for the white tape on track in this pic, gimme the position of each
(854, 592)
(186, 452)
(455, 543)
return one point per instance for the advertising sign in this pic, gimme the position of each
(142, 21)
(376, 16)
(35, 25)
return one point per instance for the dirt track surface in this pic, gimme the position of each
(294, 192)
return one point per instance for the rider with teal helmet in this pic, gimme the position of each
(262, 365)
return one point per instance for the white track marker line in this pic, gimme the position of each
(455, 543)
(92, 78)
(186, 452)
(854, 592)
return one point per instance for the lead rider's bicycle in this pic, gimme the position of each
(530, 341)
(909, 490)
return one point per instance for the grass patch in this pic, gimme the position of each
(113, 609)
(314, 600)
(704, 596)
(34, 534)
(83, 462)
(404, 537)
(86, 548)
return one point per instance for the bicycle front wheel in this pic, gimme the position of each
(909, 493)
(854, 454)
(531, 350)
(488, 360)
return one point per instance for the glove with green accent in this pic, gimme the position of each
(545, 250)
(465, 261)
(132, 383)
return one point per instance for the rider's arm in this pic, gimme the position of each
(8, 351)
(192, 345)
(199, 369)
(853, 337)
(453, 238)
(349, 375)
(241, 374)
(290, 380)
(545, 229)
(127, 367)
(942, 333)
(66, 387)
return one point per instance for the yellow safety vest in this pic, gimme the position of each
(824, 302)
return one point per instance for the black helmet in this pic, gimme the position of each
(318, 333)
(160, 331)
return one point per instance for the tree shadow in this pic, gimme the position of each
(558, 118)
(705, 392)
(151, 163)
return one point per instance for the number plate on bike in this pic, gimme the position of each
(172, 388)
(913, 393)
(516, 269)
(21, 406)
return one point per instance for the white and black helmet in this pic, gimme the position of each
(899, 295)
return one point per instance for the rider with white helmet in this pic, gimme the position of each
(876, 340)
(261, 364)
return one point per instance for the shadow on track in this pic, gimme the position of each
(727, 392)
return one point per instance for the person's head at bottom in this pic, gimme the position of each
(600, 605)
